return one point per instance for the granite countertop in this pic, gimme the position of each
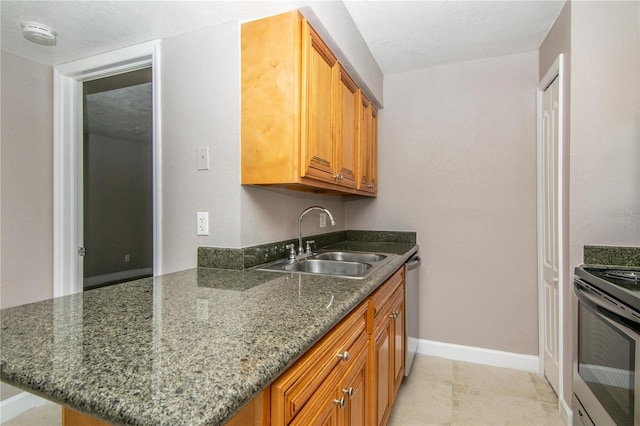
(191, 347)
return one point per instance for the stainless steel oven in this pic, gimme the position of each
(606, 373)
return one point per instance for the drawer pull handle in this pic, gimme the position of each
(348, 392)
(344, 356)
(339, 402)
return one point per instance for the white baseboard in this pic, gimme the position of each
(18, 404)
(116, 276)
(566, 413)
(479, 355)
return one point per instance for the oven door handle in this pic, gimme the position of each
(606, 307)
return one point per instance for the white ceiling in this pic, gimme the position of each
(125, 113)
(409, 35)
(402, 35)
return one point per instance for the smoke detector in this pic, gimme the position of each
(38, 33)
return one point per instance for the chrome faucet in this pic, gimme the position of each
(310, 209)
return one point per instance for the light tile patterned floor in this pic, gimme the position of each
(445, 392)
(438, 392)
(45, 415)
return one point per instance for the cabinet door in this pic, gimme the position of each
(323, 409)
(368, 146)
(364, 138)
(354, 389)
(373, 151)
(383, 367)
(319, 76)
(398, 345)
(347, 140)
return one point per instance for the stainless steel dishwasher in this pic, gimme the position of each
(411, 308)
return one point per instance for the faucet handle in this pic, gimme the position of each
(292, 250)
(309, 242)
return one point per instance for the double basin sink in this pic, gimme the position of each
(345, 264)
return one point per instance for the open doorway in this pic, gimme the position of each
(117, 178)
(68, 228)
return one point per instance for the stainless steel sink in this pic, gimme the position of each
(344, 264)
(350, 256)
(328, 267)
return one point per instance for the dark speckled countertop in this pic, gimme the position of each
(188, 348)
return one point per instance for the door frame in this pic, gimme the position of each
(556, 70)
(67, 156)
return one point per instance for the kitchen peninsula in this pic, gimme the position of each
(191, 347)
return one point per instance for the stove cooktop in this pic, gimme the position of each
(622, 282)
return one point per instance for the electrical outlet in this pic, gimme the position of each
(323, 220)
(203, 223)
(203, 158)
(126, 258)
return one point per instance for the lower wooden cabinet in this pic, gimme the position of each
(362, 390)
(73, 418)
(386, 347)
(319, 370)
(381, 372)
(399, 342)
(340, 399)
(355, 388)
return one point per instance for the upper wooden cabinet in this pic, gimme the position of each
(347, 130)
(301, 122)
(319, 78)
(368, 145)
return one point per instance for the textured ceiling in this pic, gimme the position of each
(87, 28)
(402, 35)
(123, 114)
(409, 35)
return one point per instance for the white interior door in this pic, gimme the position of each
(550, 247)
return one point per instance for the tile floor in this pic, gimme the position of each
(45, 415)
(438, 392)
(445, 392)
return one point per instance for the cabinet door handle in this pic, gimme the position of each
(339, 402)
(394, 314)
(344, 356)
(348, 392)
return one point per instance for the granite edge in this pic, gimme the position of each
(611, 255)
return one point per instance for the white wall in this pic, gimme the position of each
(27, 180)
(272, 214)
(200, 107)
(457, 164)
(26, 170)
(605, 125)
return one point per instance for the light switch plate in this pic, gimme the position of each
(203, 223)
(203, 157)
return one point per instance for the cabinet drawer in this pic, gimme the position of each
(291, 391)
(383, 297)
(324, 400)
